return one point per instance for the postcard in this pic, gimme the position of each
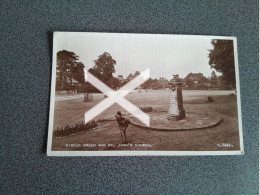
(126, 94)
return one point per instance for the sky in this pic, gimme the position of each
(164, 55)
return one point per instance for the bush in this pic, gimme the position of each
(74, 129)
(146, 108)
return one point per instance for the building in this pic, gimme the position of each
(196, 81)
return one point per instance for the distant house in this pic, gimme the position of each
(194, 76)
(196, 81)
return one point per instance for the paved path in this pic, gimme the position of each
(186, 93)
(68, 97)
(73, 96)
(192, 121)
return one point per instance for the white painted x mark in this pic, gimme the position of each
(118, 97)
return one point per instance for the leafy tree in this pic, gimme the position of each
(78, 73)
(116, 83)
(104, 66)
(96, 73)
(202, 80)
(221, 58)
(213, 79)
(130, 77)
(147, 84)
(155, 85)
(68, 68)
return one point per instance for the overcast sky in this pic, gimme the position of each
(165, 55)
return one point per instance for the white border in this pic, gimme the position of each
(142, 153)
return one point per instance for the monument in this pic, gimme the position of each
(176, 110)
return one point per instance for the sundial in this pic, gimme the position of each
(176, 109)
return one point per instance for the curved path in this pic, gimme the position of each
(159, 121)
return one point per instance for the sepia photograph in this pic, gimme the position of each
(121, 94)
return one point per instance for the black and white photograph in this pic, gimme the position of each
(115, 94)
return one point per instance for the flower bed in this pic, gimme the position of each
(146, 108)
(74, 129)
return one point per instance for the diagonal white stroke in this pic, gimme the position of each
(99, 108)
(134, 110)
(137, 81)
(117, 97)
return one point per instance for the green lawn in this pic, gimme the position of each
(225, 107)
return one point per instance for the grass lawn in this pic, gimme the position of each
(225, 107)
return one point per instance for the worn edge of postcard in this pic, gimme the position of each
(148, 152)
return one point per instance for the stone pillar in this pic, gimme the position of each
(176, 110)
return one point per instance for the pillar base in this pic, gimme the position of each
(176, 117)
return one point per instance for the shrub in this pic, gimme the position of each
(146, 108)
(74, 129)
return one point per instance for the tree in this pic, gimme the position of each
(155, 85)
(221, 58)
(69, 68)
(130, 77)
(116, 83)
(96, 73)
(213, 79)
(78, 73)
(147, 84)
(202, 80)
(104, 66)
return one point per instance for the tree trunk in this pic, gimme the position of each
(62, 82)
